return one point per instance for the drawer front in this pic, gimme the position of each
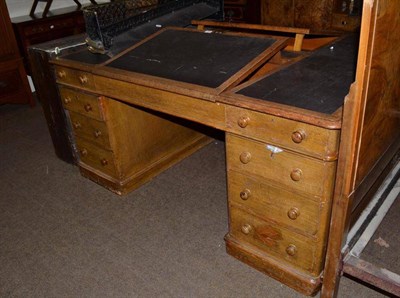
(49, 26)
(300, 137)
(91, 129)
(86, 104)
(285, 169)
(345, 22)
(293, 211)
(77, 78)
(286, 246)
(95, 157)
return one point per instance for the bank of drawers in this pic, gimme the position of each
(279, 201)
(88, 119)
(297, 136)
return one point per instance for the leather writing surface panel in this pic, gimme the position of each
(318, 83)
(206, 59)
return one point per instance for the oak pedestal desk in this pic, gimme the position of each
(282, 131)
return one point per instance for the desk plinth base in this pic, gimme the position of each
(302, 283)
(124, 186)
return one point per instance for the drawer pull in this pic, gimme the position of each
(97, 133)
(84, 152)
(243, 121)
(246, 229)
(245, 157)
(62, 74)
(67, 100)
(291, 250)
(298, 136)
(77, 125)
(245, 194)
(83, 79)
(104, 162)
(296, 174)
(293, 213)
(88, 107)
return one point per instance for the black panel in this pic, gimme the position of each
(206, 59)
(318, 83)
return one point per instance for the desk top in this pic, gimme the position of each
(317, 83)
(214, 66)
(205, 59)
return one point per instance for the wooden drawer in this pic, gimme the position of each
(304, 138)
(345, 22)
(285, 168)
(293, 211)
(46, 27)
(86, 104)
(77, 78)
(95, 157)
(297, 250)
(92, 130)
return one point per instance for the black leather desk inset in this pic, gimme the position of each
(317, 83)
(206, 59)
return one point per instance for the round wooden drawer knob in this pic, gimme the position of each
(104, 162)
(77, 125)
(97, 133)
(296, 174)
(62, 74)
(298, 136)
(83, 79)
(67, 100)
(243, 121)
(84, 152)
(245, 157)
(245, 194)
(88, 107)
(291, 250)
(293, 213)
(246, 229)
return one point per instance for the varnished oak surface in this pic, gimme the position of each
(286, 241)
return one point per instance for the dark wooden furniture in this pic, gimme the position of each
(35, 29)
(245, 11)
(318, 15)
(14, 86)
(48, 4)
(299, 145)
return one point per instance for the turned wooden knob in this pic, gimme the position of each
(293, 213)
(246, 229)
(245, 157)
(291, 250)
(104, 162)
(298, 136)
(296, 174)
(97, 133)
(67, 100)
(83, 79)
(62, 74)
(243, 121)
(88, 107)
(77, 125)
(84, 152)
(245, 194)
